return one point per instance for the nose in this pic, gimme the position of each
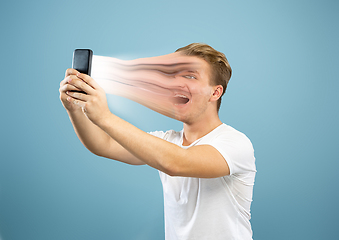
(178, 83)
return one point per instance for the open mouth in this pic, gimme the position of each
(180, 99)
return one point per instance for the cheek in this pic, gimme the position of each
(200, 89)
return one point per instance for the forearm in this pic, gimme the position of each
(151, 150)
(91, 136)
(98, 141)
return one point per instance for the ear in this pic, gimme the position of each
(217, 93)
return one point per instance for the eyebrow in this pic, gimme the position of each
(193, 71)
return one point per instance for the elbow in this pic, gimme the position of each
(171, 172)
(95, 152)
(91, 148)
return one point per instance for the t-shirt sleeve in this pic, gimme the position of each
(170, 136)
(159, 134)
(237, 151)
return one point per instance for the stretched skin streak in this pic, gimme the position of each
(156, 82)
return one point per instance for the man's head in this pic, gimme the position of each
(220, 69)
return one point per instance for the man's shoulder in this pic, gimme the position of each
(228, 139)
(236, 148)
(225, 132)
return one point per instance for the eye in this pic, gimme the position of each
(189, 77)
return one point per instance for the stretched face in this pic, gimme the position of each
(174, 85)
(192, 98)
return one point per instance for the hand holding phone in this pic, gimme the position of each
(82, 62)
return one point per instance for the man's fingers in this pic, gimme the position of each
(80, 84)
(71, 75)
(78, 95)
(87, 79)
(71, 71)
(68, 87)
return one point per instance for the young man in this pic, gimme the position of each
(207, 170)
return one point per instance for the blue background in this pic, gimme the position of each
(282, 95)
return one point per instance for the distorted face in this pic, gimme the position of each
(192, 97)
(174, 85)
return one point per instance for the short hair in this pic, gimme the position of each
(220, 68)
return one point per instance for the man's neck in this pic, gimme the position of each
(196, 130)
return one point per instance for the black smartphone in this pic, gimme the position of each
(82, 60)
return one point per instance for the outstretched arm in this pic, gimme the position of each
(198, 161)
(93, 137)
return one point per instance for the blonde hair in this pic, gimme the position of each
(220, 68)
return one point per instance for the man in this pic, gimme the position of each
(207, 170)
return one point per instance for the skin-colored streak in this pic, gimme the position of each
(159, 83)
(169, 69)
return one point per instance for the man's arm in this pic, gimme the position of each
(92, 137)
(198, 161)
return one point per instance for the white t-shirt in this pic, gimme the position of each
(211, 208)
